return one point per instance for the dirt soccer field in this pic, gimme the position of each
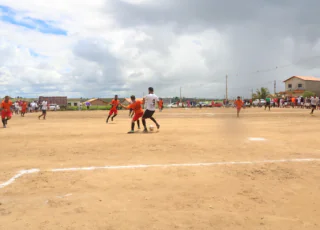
(204, 169)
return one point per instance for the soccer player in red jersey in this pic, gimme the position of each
(24, 108)
(6, 113)
(136, 106)
(114, 109)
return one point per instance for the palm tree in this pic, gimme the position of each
(261, 93)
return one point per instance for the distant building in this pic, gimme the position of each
(74, 101)
(297, 85)
(96, 101)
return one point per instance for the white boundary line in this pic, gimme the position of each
(30, 171)
(232, 113)
(20, 174)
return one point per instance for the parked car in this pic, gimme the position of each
(54, 107)
(172, 105)
(258, 102)
(217, 105)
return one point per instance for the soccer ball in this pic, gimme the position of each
(151, 128)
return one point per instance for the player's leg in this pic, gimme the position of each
(312, 109)
(44, 114)
(110, 113)
(134, 120)
(154, 121)
(115, 114)
(138, 123)
(41, 114)
(3, 118)
(238, 112)
(145, 116)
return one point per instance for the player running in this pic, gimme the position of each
(268, 103)
(24, 108)
(160, 105)
(6, 113)
(136, 106)
(150, 101)
(313, 104)
(238, 103)
(114, 109)
(44, 107)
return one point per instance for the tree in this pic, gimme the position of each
(308, 94)
(261, 93)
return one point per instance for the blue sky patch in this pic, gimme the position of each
(33, 53)
(11, 16)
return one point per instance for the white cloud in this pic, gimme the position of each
(124, 50)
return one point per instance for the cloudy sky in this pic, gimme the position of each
(104, 47)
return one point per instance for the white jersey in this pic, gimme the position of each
(44, 105)
(150, 102)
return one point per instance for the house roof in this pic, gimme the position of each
(94, 99)
(129, 99)
(305, 78)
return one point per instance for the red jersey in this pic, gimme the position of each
(115, 104)
(6, 105)
(136, 107)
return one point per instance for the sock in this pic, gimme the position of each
(144, 123)
(312, 110)
(138, 122)
(3, 121)
(132, 126)
(154, 120)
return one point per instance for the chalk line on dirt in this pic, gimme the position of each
(182, 165)
(30, 171)
(20, 174)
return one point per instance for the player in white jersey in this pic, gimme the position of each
(44, 110)
(150, 102)
(313, 104)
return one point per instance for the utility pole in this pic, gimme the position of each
(226, 87)
(275, 86)
(252, 94)
(180, 96)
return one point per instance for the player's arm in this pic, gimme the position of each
(125, 107)
(158, 102)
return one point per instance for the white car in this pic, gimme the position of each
(54, 107)
(172, 105)
(258, 102)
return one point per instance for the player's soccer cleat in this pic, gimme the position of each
(158, 126)
(145, 130)
(131, 131)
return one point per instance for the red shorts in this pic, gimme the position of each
(23, 110)
(113, 111)
(6, 114)
(137, 116)
(238, 108)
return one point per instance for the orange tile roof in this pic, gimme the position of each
(305, 78)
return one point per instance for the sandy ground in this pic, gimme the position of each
(230, 196)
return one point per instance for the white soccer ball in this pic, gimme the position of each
(151, 128)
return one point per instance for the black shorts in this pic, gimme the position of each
(267, 103)
(44, 111)
(147, 114)
(313, 106)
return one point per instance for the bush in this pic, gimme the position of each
(308, 94)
